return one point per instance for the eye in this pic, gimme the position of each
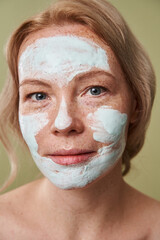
(97, 90)
(38, 96)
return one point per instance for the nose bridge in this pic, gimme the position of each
(63, 120)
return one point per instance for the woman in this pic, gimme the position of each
(80, 95)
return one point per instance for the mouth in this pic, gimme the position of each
(71, 157)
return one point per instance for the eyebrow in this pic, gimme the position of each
(80, 77)
(93, 74)
(33, 82)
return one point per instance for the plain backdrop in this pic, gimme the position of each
(143, 16)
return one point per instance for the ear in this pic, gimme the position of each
(134, 113)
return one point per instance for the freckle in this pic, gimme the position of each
(56, 171)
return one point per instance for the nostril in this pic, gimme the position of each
(56, 132)
(72, 132)
(65, 131)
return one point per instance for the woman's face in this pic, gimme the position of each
(75, 105)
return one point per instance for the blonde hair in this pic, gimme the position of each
(105, 21)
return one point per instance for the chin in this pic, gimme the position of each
(88, 182)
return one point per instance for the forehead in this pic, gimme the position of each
(76, 30)
(68, 29)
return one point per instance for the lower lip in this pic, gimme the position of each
(71, 159)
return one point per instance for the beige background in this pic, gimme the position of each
(143, 16)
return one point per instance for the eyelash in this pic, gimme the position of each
(100, 87)
(29, 96)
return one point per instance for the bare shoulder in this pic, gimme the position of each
(14, 208)
(145, 212)
(152, 208)
(19, 196)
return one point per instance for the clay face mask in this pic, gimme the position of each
(60, 59)
(108, 126)
(63, 120)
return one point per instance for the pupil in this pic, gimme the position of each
(95, 91)
(40, 96)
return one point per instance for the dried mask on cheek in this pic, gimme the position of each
(30, 126)
(108, 127)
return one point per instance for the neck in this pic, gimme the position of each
(98, 203)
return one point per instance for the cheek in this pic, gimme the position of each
(30, 126)
(108, 125)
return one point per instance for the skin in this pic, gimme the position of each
(114, 210)
(102, 127)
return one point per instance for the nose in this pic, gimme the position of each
(65, 123)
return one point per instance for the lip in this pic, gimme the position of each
(72, 156)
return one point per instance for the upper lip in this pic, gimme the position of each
(64, 152)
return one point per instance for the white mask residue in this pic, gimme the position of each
(30, 126)
(108, 126)
(60, 59)
(63, 120)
